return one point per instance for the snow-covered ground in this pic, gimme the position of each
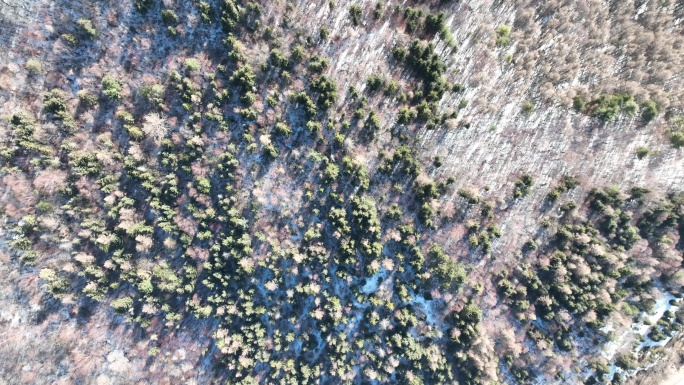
(637, 335)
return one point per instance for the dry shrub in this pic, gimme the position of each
(22, 192)
(155, 127)
(49, 181)
(186, 225)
